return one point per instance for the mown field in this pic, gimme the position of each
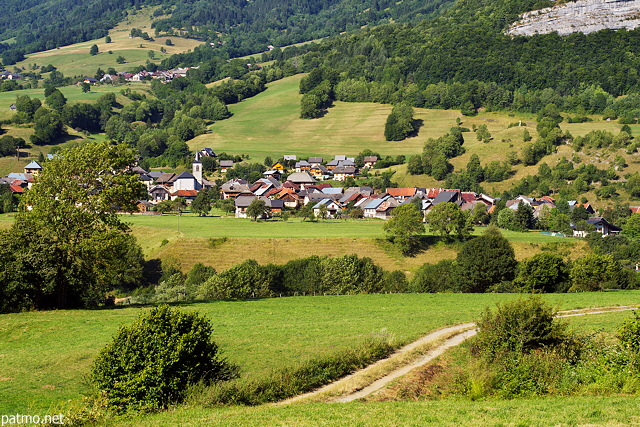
(186, 240)
(75, 60)
(45, 356)
(222, 242)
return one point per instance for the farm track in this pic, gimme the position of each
(347, 389)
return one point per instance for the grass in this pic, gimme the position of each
(268, 125)
(74, 60)
(583, 410)
(45, 356)
(278, 242)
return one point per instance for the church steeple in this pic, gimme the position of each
(197, 168)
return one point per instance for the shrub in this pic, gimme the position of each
(629, 334)
(518, 326)
(150, 363)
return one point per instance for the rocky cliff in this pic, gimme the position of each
(584, 16)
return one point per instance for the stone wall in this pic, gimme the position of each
(584, 16)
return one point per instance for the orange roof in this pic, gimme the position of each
(402, 192)
(185, 193)
(16, 188)
(548, 199)
(635, 209)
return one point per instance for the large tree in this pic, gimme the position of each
(68, 246)
(404, 226)
(486, 261)
(446, 219)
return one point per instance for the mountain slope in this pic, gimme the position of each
(241, 27)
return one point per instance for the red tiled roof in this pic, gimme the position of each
(185, 193)
(432, 193)
(548, 199)
(468, 196)
(635, 209)
(16, 189)
(402, 192)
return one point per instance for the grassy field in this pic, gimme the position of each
(268, 125)
(278, 242)
(74, 60)
(559, 411)
(45, 356)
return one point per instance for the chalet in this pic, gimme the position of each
(242, 203)
(109, 78)
(319, 171)
(332, 208)
(290, 158)
(370, 161)
(402, 193)
(159, 193)
(233, 188)
(302, 166)
(332, 164)
(275, 174)
(89, 80)
(33, 168)
(225, 165)
(380, 208)
(315, 161)
(207, 152)
(302, 179)
(278, 167)
(166, 179)
(341, 173)
(144, 206)
(602, 226)
(290, 200)
(448, 196)
(146, 180)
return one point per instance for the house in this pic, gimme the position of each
(33, 168)
(302, 166)
(166, 179)
(402, 193)
(370, 161)
(341, 173)
(601, 225)
(275, 174)
(207, 152)
(448, 196)
(242, 203)
(233, 188)
(159, 193)
(302, 179)
(319, 171)
(144, 206)
(315, 161)
(188, 195)
(225, 165)
(13, 107)
(290, 158)
(380, 208)
(89, 80)
(290, 200)
(278, 167)
(331, 208)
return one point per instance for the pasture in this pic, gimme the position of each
(186, 240)
(45, 356)
(75, 60)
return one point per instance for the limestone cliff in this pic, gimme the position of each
(584, 16)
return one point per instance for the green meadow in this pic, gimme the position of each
(45, 357)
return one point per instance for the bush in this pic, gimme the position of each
(150, 363)
(519, 326)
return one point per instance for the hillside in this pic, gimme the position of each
(584, 16)
(240, 27)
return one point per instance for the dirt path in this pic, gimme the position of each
(364, 382)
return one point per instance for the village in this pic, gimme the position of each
(308, 183)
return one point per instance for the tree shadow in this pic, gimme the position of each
(417, 124)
